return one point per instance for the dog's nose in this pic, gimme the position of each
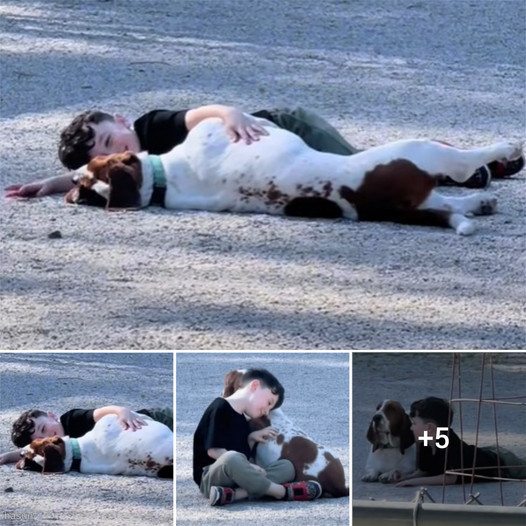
(377, 418)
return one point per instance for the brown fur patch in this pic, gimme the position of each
(389, 188)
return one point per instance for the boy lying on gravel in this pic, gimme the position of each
(75, 423)
(95, 133)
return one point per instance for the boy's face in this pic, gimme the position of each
(260, 401)
(419, 427)
(47, 426)
(114, 136)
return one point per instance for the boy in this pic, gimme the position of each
(223, 444)
(75, 423)
(431, 413)
(96, 133)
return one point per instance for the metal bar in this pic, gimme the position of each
(376, 513)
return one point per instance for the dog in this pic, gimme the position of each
(106, 449)
(311, 461)
(393, 450)
(280, 174)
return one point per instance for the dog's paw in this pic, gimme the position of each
(370, 477)
(465, 227)
(509, 150)
(486, 206)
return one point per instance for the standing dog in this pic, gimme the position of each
(280, 174)
(393, 449)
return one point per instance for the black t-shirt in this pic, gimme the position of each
(433, 464)
(161, 130)
(219, 427)
(77, 422)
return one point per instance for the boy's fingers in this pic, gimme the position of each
(13, 187)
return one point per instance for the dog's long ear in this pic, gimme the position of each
(255, 424)
(371, 436)
(124, 190)
(407, 438)
(53, 460)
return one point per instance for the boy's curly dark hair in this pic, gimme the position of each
(76, 139)
(24, 426)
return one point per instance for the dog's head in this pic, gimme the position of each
(109, 181)
(390, 426)
(45, 455)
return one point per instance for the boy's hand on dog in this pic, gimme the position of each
(265, 434)
(129, 419)
(241, 126)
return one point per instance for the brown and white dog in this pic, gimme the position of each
(311, 461)
(393, 451)
(106, 449)
(280, 174)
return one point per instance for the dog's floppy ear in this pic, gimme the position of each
(371, 436)
(53, 461)
(124, 190)
(407, 438)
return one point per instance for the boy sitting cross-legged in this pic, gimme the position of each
(223, 445)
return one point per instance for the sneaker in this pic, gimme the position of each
(304, 490)
(480, 179)
(506, 169)
(220, 496)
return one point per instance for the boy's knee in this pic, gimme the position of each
(233, 458)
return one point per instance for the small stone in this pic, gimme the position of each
(56, 234)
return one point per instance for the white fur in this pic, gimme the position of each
(109, 449)
(209, 172)
(384, 462)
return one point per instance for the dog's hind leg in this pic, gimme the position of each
(460, 164)
(479, 203)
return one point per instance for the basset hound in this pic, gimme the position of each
(280, 174)
(106, 449)
(393, 451)
(311, 461)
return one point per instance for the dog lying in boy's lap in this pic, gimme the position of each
(280, 174)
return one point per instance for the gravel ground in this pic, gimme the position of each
(156, 279)
(409, 377)
(59, 382)
(316, 400)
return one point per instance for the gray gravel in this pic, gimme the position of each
(377, 70)
(408, 377)
(58, 383)
(316, 400)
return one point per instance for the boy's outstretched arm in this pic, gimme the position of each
(52, 185)
(10, 457)
(434, 480)
(238, 125)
